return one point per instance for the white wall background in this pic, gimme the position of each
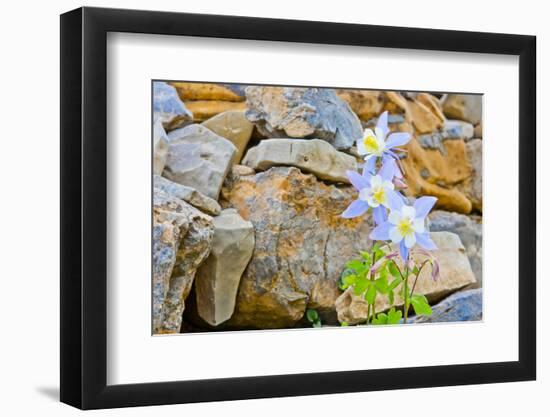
(29, 213)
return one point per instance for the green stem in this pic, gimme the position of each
(418, 275)
(405, 294)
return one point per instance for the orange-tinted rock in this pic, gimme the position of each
(205, 91)
(365, 104)
(205, 109)
(301, 245)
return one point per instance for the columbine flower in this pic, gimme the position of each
(376, 191)
(378, 144)
(406, 225)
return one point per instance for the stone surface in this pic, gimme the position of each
(198, 158)
(470, 231)
(218, 277)
(455, 129)
(168, 108)
(301, 245)
(188, 194)
(303, 113)
(205, 109)
(205, 91)
(182, 238)
(160, 147)
(437, 172)
(424, 119)
(310, 155)
(455, 271)
(465, 107)
(462, 306)
(235, 127)
(478, 131)
(474, 186)
(366, 104)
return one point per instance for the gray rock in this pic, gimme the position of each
(469, 229)
(160, 147)
(291, 112)
(465, 107)
(168, 108)
(474, 187)
(461, 306)
(315, 156)
(198, 158)
(301, 245)
(182, 231)
(219, 276)
(458, 129)
(187, 194)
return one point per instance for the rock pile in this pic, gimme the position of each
(249, 184)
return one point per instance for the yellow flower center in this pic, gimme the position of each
(379, 195)
(371, 144)
(405, 227)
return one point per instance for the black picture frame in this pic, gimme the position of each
(84, 207)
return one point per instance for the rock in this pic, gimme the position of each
(168, 107)
(311, 155)
(465, 107)
(437, 172)
(366, 104)
(241, 170)
(218, 277)
(469, 229)
(198, 158)
(187, 194)
(462, 306)
(457, 129)
(424, 119)
(182, 232)
(301, 245)
(455, 272)
(235, 127)
(206, 109)
(432, 104)
(478, 131)
(205, 91)
(291, 112)
(160, 147)
(474, 186)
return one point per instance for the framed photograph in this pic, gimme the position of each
(259, 208)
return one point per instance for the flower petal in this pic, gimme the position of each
(423, 205)
(395, 236)
(418, 225)
(370, 165)
(395, 201)
(408, 211)
(381, 232)
(394, 217)
(398, 139)
(403, 250)
(382, 124)
(358, 181)
(379, 214)
(388, 169)
(423, 239)
(410, 240)
(356, 208)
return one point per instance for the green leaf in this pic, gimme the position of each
(381, 284)
(381, 318)
(420, 305)
(370, 296)
(415, 270)
(361, 285)
(355, 264)
(312, 315)
(317, 324)
(344, 324)
(367, 257)
(395, 283)
(394, 316)
(392, 268)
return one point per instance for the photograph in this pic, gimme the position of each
(306, 207)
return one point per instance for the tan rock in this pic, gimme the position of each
(205, 109)
(465, 107)
(235, 127)
(424, 119)
(301, 245)
(478, 131)
(218, 277)
(366, 104)
(205, 91)
(455, 272)
(177, 227)
(310, 155)
(473, 186)
(188, 194)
